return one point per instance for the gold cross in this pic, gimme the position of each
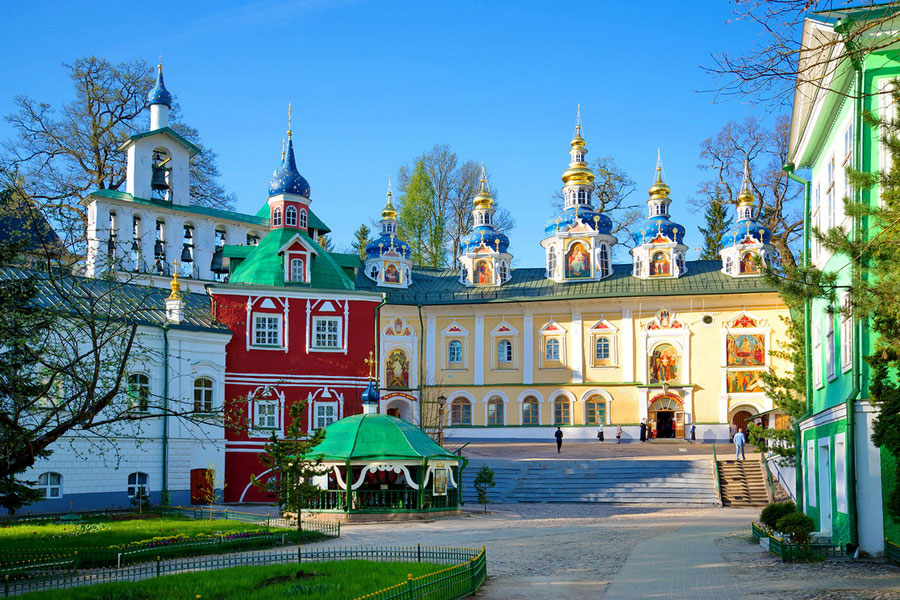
(371, 362)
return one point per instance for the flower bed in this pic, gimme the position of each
(776, 543)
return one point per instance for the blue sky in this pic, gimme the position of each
(373, 84)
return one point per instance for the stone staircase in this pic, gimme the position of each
(743, 483)
(674, 482)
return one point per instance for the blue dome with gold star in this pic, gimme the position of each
(486, 234)
(287, 179)
(653, 228)
(747, 231)
(386, 242)
(589, 217)
(159, 94)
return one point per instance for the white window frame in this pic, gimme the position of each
(49, 484)
(609, 348)
(324, 420)
(552, 342)
(461, 402)
(811, 479)
(817, 353)
(317, 341)
(298, 275)
(840, 473)
(208, 395)
(290, 216)
(830, 348)
(551, 261)
(451, 363)
(276, 318)
(846, 334)
(276, 217)
(304, 218)
(505, 357)
(272, 414)
(141, 482)
(136, 400)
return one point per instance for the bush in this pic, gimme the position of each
(774, 511)
(796, 526)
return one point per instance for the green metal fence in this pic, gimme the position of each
(790, 552)
(758, 532)
(382, 501)
(892, 551)
(329, 528)
(463, 578)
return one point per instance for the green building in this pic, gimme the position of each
(842, 478)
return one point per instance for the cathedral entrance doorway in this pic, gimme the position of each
(666, 415)
(741, 418)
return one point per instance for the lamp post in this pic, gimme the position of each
(441, 400)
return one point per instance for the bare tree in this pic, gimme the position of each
(723, 156)
(789, 55)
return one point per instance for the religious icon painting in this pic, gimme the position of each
(663, 364)
(745, 350)
(441, 478)
(660, 265)
(748, 264)
(745, 382)
(578, 262)
(397, 370)
(483, 275)
(391, 273)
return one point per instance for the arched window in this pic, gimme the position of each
(530, 411)
(601, 350)
(604, 260)
(551, 261)
(51, 484)
(551, 353)
(203, 395)
(561, 412)
(503, 271)
(504, 352)
(582, 196)
(679, 262)
(728, 264)
(495, 411)
(139, 391)
(636, 268)
(303, 218)
(138, 485)
(595, 410)
(454, 352)
(290, 216)
(460, 412)
(276, 216)
(297, 270)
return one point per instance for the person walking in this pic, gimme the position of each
(643, 430)
(618, 434)
(693, 433)
(739, 441)
(600, 432)
(558, 435)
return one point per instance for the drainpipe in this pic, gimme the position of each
(165, 418)
(807, 351)
(378, 334)
(421, 366)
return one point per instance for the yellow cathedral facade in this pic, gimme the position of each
(502, 353)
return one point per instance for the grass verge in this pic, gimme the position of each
(333, 580)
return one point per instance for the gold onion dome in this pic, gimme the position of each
(578, 171)
(659, 190)
(745, 197)
(389, 212)
(175, 286)
(483, 198)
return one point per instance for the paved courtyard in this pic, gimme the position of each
(564, 551)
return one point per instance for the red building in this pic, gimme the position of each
(301, 331)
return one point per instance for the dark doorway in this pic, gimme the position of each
(394, 412)
(741, 418)
(665, 424)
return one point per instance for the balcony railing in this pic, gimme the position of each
(380, 501)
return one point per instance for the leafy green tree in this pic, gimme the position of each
(484, 479)
(420, 222)
(717, 223)
(361, 238)
(290, 460)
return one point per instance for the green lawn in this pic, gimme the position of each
(338, 580)
(103, 533)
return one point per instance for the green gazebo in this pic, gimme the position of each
(382, 464)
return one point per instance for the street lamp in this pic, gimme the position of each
(441, 400)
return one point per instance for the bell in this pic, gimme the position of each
(158, 249)
(186, 254)
(159, 180)
(216, 264)
(187, 233)
(111, 246)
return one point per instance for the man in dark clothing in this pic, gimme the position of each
(643, 431)
(558, 435)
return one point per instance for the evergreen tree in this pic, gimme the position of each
(361, 238)
(717, 223)
(325, 242)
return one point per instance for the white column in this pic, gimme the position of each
(688, 410)
(642, 403)
(148, 239)
(527, 348)
(204, 246)
(124, 237)
(628, 334)
(430, 334)
(576, 348)
(723, 408)
(98, 236)
(479, 350)
(174, 241)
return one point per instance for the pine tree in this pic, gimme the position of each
(717, 223)
(325, 242)
(361, 238)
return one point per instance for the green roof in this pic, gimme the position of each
(378, 437)
(196, 210)
(263, 265)
(436, 286)
(350, 260)
(192, 147)
(313, 222)
(129, 302)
